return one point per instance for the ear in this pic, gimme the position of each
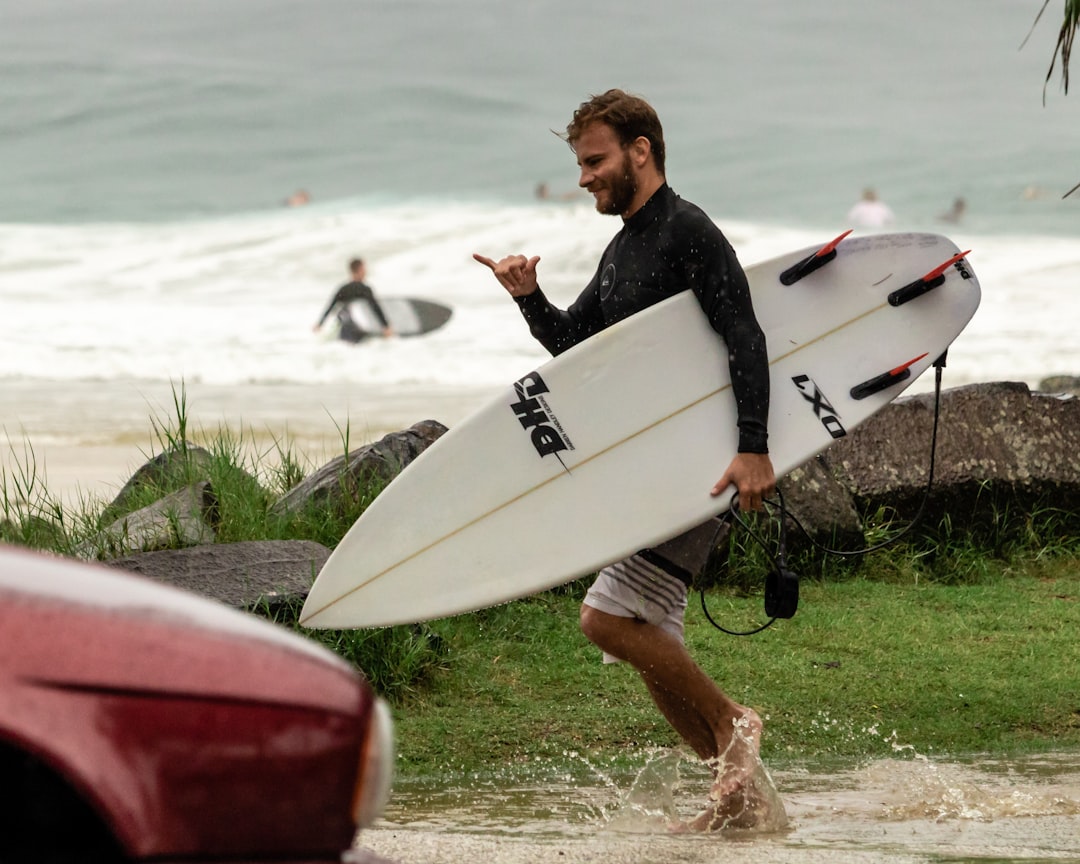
(640, 150)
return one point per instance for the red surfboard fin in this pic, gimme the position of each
(928, 282)
(812, 262)
(884, 380)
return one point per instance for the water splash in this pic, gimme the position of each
(942, 792)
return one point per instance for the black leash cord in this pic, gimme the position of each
(705, 609)
(778, 564)
(778, 559)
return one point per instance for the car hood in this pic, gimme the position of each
(66, 623)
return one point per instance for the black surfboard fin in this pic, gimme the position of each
(812, 262)
(884, 380)
(928, 282)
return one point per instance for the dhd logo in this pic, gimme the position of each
(534, 414)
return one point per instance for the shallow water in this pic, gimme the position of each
(882, 812)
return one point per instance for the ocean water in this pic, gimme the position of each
(146, 149)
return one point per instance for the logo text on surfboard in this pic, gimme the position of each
(822, 409)
(534, 414)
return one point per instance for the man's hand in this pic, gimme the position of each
(752, 475)
(516, 273)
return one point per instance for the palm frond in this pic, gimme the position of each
(1064, 42)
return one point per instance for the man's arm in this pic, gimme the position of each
(369, 295)
(337, 298)
(720, 284)
(556, 329)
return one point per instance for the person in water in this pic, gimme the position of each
(634, 610)
(356, 289)
(870, 211)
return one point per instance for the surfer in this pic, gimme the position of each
(870, 211)
(634, 610)
(955, 213)
(356, 289)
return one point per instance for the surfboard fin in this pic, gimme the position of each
(884, 380)
(812, 262)
(928, 282)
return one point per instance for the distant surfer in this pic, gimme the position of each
(350, 292)
(543, 193)
(635, 608)
(298, 198)
(955, 213)
(870, 211)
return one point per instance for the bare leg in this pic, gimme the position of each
(722, 732)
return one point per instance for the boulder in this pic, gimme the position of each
(185, 464)
(1061, 384)
(343, 479)
(187, 517)
(821, 510)
(1001, 450)
(245, 575)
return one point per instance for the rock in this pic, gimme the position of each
(244, 575)
(341, 480)
(187, 464)
(1061, 384)
(1001, 450)
(824, 508)
(185, 518)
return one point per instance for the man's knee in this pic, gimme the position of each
(600, 628)
(588, 622)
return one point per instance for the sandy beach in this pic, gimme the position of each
(86, 439)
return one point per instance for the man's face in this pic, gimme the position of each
(606, 170)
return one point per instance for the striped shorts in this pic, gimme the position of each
(636, 588)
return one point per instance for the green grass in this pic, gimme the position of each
(864, 667)
(948, 642)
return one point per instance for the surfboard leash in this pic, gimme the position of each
(781, 583)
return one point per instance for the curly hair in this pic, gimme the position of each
(631, 117)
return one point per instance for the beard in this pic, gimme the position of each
(621, 191)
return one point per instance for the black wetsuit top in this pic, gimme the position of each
(670, 245)
(355, 291)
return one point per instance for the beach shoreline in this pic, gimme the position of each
(85, 439)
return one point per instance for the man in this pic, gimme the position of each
(357, 289)
(870, 211)
(634, 610)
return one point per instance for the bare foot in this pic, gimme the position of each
(743, 809)
(755, 805)
(738, 755)
(733, 801)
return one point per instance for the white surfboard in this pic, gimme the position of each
(614, 445)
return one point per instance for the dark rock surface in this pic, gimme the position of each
(238, 574)
(340, 478)
(1000, 447)
(188, 517)
(190, 463)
